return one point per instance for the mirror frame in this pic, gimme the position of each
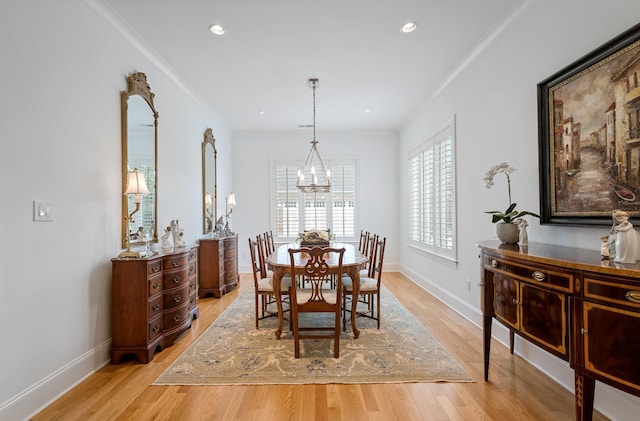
(137, 85)
(209, 140)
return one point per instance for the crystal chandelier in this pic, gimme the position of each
(313, 177)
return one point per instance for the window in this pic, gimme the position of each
(296, 211)
(432, 204)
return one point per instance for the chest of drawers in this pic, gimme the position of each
(218, 265)
(153, 300)
(571, 303)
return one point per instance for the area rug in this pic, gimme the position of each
(232, 351)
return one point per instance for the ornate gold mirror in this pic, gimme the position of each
(139, 152)
(209, 183)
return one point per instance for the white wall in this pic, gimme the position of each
(63, 69)
(494, 100)
(376, 152)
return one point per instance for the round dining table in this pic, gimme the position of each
(352, 262)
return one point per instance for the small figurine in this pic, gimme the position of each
(604, 246)
(627, 240)
(175, 231)
(524, 237)
(166, 244)
(180, 241)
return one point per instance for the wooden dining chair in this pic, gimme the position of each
(364, 238)
(271, 245)
(319, 297)
(369, 250)
(369, 288)
(263, 286)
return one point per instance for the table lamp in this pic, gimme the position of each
(136, 185)
(231, 202)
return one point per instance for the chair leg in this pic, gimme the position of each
(257, 326)
(336, 336)
(378, 315)
(296, 336)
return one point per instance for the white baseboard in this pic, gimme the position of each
(41, 394)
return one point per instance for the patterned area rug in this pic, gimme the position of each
(232, 351)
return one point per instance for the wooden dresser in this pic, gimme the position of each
(153, 300)
(218, 265)
(571, 303)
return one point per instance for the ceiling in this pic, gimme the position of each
(354, 47)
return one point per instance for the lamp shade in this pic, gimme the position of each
(231, 199)
(136, 183)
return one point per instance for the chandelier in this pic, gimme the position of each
(313, 177)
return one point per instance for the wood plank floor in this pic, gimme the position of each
(516, 390)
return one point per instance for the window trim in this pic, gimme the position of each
(434, 250)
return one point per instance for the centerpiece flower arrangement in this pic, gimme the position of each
(315, 237)
(511, 215)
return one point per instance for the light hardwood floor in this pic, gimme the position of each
(515, 391)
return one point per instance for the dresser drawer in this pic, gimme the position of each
(175, 262)
(155, 328)
(230, 253)
(175, 298)
(155, 285)
(154, 266)
(175, 317)
(540, 274)
(612, 290)
(175, 278)
(193, 269)
(155, 306)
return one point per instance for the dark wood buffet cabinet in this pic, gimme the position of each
(153, 301)
(218, 265)
(571, 303)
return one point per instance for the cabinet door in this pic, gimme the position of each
(612, 344)
(505, 300)
(544, 317)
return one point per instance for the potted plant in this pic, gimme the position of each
(507, 228)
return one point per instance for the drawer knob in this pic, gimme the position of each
(156, 285)
(176, 263)
(155, 268)
(538, 276)
(176, 279)
(633, 296)
(155, 307)
(177, 299)
(176, 317)
(584, 331)
(156, 328)
(494, 263)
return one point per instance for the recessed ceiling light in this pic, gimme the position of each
(217, 29)
(261, 112)
(409, 27)
(367, 110)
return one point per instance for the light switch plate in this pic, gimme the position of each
(42, 211)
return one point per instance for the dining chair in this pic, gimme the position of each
(263, 286)
(270, 244)
(369, 250)
(319, 297)
(369, 288)
(364, 238)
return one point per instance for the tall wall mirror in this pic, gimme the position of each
(139, 152)
(209, 183)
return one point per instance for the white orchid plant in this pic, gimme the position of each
(511, 214)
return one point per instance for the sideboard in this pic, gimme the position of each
(218, 265)
(570, 302)
(153, 300)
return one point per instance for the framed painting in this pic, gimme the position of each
(589, 136)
